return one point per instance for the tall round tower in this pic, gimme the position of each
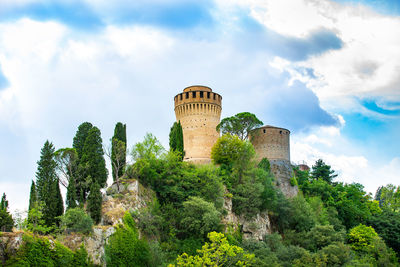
(198, 109)
(271, 142)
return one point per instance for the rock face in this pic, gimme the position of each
(9, 244)
(283, 172)
(130, 195)
(256, 228)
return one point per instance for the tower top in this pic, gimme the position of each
(197, 88)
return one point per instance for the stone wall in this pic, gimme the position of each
(271, 143)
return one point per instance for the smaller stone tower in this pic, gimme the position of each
(198, 109)
(271, 142)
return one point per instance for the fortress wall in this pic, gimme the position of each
(272, 143)
(199, 111)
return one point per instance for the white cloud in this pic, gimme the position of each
(350, 162)
(366, 66)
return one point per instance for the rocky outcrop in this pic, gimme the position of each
(283, 172)
(255, 228)
(9, 244)
(129, 195)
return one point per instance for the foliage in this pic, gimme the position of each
(47, 186)
(33, 198)
(6, 220)
(240, 125)
(176, 139)
(217, 253)
(247, 196)
(35, 221)
(232, 153)
(94, 202)
(149, 149)
(124, 247)
(302, 217)
(264, 164)
(71, 200)
(118, 150)
(322, 171)
(39, 251)
(150, 220)
(92, 163)
(67, 163)
(76, 220)
(361, 237)
(387, 225)
(199, 217)
(389, 197)
(293, 181)
(81, 184)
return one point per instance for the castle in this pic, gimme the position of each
(198, 109)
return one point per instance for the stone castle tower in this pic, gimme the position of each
(198, 109)
(271, 142)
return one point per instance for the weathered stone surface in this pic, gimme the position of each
(283, 172)
(95, 244)
(9, 244)
(199, 111)
(255, 228)
(130, 196)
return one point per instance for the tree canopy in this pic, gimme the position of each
(241, 124)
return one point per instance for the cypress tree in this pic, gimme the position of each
(4, 202)
(94, 202)
(78, 143)
(80, 138)
(119, 134)
(179, 140)
(32, 196)
(176, 138)
(58, 199)
(172, 137)
(46, 177)
(6, 220)
(92, 162)
(71, 195)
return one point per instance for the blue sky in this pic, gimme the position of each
(326, 70)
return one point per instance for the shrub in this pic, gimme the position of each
(76, 220)
(39, 251)
(124, 247)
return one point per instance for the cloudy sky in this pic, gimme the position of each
(326, 70)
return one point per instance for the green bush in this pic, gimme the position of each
(76, 220)
(39, 251)
(199, 217)
(124, 247)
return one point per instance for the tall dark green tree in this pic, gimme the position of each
(71, 200)
(58, 201)
(322, 171)
(6, 220)
(176, 138)
(94, 202)
(92, 163)
(118, 155)
(47, 184)
(78, 143)
(80, 138)
(33, 196)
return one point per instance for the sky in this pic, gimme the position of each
(326, 70)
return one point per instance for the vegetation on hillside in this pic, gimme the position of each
(329, 223)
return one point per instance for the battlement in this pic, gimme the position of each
(197, 94)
